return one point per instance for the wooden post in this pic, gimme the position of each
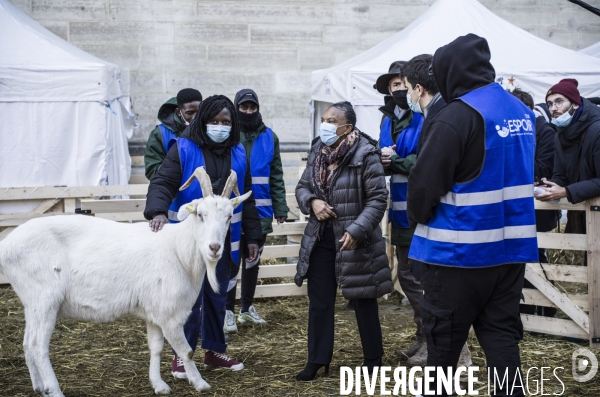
(592, 213)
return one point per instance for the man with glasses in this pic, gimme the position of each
(576, 173)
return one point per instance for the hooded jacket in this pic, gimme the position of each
(577, 155)
(276, 182)
(360, 200)
(155, 152)
(453, 142)
(545, 220)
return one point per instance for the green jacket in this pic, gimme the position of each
(280, 207)
(155, 152)
(400, 235)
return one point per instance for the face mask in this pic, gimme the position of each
(183, 119)
(400, 98)
(327, 133)
(564, 119)
(415, 107)
(218, 133)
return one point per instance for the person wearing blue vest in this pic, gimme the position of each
(399, 134)
(471, 196)
(268, 188)
(174, 116)
(212, 140)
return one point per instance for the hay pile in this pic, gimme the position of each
(112, 359)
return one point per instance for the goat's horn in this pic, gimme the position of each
(231, 185)
(202, 177)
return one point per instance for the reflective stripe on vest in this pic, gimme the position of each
(261, 157)
(167, 135)
(490, 220)
(406, 145)
(191, 157)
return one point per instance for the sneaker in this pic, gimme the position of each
(411, 351)
(420, 358)
(229, 326)
(250, 317)
(177, 369)
(220, 360)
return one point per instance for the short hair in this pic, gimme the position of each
(188, 95)
(416, 71)
(208, 110)
(348, 110)
(524, 97)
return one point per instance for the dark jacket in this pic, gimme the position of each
(155, 152)
(401, 236)
(359, 198)
(545, 220)
(576, 163)
(165, 185)
(452, 146)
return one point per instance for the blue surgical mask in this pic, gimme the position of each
(218, 133)
(415, 107)
(327, 133)
(564, 119)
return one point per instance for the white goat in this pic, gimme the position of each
(92, 269)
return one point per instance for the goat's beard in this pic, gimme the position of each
(211, 274)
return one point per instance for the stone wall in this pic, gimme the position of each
(268, 45)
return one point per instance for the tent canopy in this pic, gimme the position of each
(65, 113)
(520, 58)
(593, 50)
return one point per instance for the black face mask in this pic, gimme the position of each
(400, 98)
(249, 121)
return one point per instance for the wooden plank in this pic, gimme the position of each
(288, 228)
(270, 271)
(552, 326)
(19, 219)
(280, 251)
(44, 206)
(563, 204)
(109, 206)
(570, 273)
(69, 205)
(562, 241)
(535, 276)
(6, 232)
(56, 192)
(593, 261)
(122, 216)
(535, 297)
(274, 290)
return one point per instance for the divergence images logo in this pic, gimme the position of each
(582, 360)
(515, 126)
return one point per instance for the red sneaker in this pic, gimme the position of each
(177, 369)
(220, 360)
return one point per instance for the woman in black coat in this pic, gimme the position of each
(343, 191)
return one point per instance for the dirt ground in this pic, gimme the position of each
(112, 359)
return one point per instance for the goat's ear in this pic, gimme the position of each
(187, 209)
(239, 200)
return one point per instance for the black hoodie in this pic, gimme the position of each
(452, 145)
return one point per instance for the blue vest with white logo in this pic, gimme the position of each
(490, 220)
(261, 158)
(191, 157)
(167, 135)
(405, 145)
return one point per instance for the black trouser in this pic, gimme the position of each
(411, 287)
(322, 291)
(249, 278)
(486, 298)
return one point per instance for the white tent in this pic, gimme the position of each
(593, 50)
(65, 113)
(520, 59)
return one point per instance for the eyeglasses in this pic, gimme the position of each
(558, 103)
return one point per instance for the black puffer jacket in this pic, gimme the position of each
(359, 198)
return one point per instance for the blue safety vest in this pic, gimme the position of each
(261, 158)
(191, 157)
(405, 145)
(490, 220)
(167, 135)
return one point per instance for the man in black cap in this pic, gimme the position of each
(399, 135)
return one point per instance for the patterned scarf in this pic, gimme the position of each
(326, 163)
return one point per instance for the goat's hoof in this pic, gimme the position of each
(162, 389)
(202, 386)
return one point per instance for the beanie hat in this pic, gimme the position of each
(568, 88)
